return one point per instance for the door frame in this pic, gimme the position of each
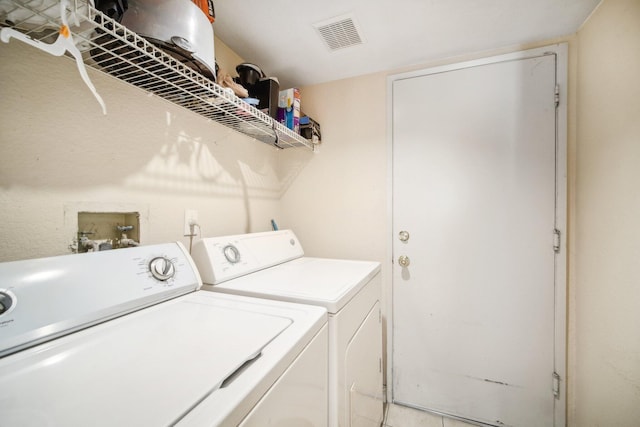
(561, 200)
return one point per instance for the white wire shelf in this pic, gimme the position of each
(113, 49)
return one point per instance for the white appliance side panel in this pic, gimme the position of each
(343, 327)
(363, 366)
(300, 396)
(147, 368)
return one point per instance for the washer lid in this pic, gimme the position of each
(330, 283)
(147, 368)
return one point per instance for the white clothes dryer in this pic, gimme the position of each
(272, 265)
(124, 338)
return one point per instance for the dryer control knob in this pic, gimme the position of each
(162, 268)
(231, 253)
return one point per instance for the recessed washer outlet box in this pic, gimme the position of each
(108, 228)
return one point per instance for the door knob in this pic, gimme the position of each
(404, 261)
(403, 236)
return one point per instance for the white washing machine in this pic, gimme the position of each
(272, 265)
(123, 338)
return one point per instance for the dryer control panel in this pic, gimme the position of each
(223, 258)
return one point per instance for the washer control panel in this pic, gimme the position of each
(47, 297)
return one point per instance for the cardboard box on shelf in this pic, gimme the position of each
(289, 109)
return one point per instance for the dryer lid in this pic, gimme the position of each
(330, 283)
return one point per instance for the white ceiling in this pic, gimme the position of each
(279, 36)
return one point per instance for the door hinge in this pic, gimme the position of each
(557, 95)
(556, 240)
(380, 364)
(556, 385)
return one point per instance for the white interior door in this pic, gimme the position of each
(474, 186)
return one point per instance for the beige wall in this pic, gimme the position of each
(226, 58)
(338, 203)
(606, 372)
(60, 155)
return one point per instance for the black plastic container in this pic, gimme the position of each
(249, 75)
(267, 90)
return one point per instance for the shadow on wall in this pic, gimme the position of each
(54, 136)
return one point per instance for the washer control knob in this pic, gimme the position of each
(6, 302)
(231, 253)
(162, 268)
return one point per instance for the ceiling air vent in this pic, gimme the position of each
(339, 32)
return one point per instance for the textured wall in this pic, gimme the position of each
(607, 232)
(59, 155)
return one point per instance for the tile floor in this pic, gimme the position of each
(400, 416)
